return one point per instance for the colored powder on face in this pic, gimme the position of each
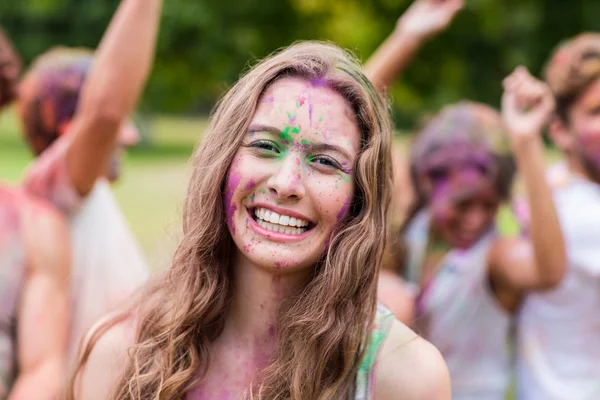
(291, 117)
(250, 185)
(233, 180)
(319, 83)
(304, 141)
(310, 112)
(344, 209)
(295, 130)
(262, 191)
(285, 135)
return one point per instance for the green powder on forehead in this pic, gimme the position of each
(295, 130)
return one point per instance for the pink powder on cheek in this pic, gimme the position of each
(344, 209)
(250, 185)
(440, 201)
(233, 181)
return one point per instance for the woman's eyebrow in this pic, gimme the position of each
(264, 128)
(316, 147)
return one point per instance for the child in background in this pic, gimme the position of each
(471, 279)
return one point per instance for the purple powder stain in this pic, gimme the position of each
(250, 185)
(233, 181)
(271, 331)
(310, 113)
(268, 99)
(344, 209)
(278, 265)
(319, 83)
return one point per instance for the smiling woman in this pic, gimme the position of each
(272, 292)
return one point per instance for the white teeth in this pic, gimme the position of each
(272, 221)
(274, 218)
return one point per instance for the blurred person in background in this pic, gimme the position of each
(559, 330)
(471, 279)
(75, 109)
(272, 292)
(423, 20)
(34, 280)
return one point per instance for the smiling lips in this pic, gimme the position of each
(274, 222)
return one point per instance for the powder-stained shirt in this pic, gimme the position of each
(107, 264)
(459, 314)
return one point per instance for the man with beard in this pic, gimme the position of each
(559, 333)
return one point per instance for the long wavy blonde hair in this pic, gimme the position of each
(323, 330)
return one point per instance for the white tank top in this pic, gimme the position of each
(108, 265)
(458, 313)
(559, 330)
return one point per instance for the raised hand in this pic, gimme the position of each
(425, 18)
(527, 104)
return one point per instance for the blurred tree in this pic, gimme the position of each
(206, 44)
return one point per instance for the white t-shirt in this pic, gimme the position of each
(458, 313)
(107, 264)
(559, 330)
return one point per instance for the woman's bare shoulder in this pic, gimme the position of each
(107, 360)
(410, 368)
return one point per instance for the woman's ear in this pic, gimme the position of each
(561, 134)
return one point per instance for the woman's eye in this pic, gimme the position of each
(265, 146)
(326, 162)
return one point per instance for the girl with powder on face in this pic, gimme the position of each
(74, 110)
(272, 292)
(471, 279)
(559, 336)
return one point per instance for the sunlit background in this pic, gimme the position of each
(205, 44)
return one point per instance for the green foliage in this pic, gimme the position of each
(205, 44)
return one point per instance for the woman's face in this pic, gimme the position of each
(463, 207)
(291, 181)
(584, 121)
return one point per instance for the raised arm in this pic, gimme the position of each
(43, 318)
(537, 262)
(112, 89)
(423, 19)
